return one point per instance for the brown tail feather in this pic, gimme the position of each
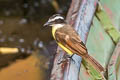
(94, 63)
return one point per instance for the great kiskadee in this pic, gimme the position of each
(68, 39)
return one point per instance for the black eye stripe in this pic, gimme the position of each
(59, 21)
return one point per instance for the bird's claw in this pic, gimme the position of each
(67, 59)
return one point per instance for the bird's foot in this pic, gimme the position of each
(67, 58)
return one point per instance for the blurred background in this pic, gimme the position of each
(27, 50)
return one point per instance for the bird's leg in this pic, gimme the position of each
(71, 58)
(66, 58)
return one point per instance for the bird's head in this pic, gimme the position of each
(56, 19)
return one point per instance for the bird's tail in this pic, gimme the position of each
(94, 63)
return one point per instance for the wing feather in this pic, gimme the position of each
(71, 40)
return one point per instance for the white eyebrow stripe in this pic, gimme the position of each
(58, 17)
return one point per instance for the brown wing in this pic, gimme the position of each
(71, 40)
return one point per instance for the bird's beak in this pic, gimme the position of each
(46, 24)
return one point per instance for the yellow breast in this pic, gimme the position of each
(60, 44)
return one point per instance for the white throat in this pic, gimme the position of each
(57, 25)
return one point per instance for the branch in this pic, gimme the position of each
(79, 16)
(113, 63)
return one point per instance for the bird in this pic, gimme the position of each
(69, 40)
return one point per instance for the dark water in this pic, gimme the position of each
(21, 27)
